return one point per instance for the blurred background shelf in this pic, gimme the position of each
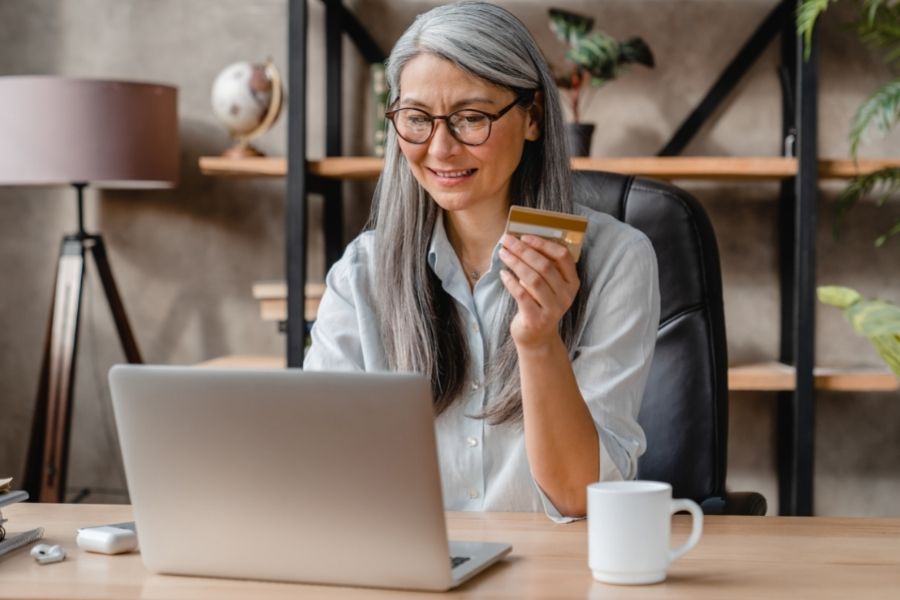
(272, 296)
(762, 377)
(776, 376)
(245, 361)
(666, 167)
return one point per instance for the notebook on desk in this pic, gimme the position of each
(288, 475)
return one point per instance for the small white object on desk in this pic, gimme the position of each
(106, 539)
(46, 554)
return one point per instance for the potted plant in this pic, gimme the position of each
(595, 58)
(879, 27)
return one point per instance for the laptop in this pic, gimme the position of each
(288, 475)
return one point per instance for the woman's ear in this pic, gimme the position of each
(535, 118)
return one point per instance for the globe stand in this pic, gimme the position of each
(242, 149)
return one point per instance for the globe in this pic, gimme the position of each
(247, 97)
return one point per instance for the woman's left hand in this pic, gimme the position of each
(543, 280)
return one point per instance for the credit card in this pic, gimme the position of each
(562, 228)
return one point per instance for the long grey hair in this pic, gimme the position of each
(420, 326)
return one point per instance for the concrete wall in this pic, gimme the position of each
(185, 259)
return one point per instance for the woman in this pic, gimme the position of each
(537, 379)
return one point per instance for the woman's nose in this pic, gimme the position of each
(442, 143)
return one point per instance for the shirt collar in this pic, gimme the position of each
(442, 257)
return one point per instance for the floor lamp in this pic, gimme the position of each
(80, 132)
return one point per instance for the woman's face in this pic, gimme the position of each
(457, 176)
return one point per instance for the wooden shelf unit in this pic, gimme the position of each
(736, 168)
(797, 205)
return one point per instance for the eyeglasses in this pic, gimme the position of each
(468, 126)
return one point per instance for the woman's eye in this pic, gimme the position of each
(473, 119)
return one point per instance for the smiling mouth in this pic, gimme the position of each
(458, 174)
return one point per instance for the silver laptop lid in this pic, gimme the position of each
(284, 475)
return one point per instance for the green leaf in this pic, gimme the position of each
(877, 320)
(889, 234)
(568, 26)
(888, 346)
(808, 12)
(597, 53)
(879, 27)
(886, 180)
(881, 108)
(841, 297)
(635, 51)
(874, 318)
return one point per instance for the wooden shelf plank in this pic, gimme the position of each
(245, 361)
(277, 290)
(855, 380)
(674, 167)
(847, 169)
(347, 167)
(775, 376)
(771, 376)
(694, 167)
(264, 166)
(666, 167)
(766, 377)
(272, 296)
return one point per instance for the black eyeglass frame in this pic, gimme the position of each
(389, 115)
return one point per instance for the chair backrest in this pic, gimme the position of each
(685, 408)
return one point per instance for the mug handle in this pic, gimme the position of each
(696, 528)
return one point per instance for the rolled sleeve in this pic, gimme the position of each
(336, 337)
(613, 362)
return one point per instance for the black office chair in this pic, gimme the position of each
(685, 408)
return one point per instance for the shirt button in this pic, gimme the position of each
(473, 493)
(472, 442)
(475, 386)
(475, 327)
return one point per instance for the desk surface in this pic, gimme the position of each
(738, 557)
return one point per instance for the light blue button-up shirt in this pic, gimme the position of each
(485, 467)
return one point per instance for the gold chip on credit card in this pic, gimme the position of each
(562, 228)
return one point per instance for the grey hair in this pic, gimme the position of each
(420, 326)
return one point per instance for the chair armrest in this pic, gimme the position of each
(736, 503)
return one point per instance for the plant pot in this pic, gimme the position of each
(579, 137)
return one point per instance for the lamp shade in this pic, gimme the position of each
(59, 130)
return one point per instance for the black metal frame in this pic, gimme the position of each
(797, 206)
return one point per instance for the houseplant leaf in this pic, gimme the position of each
(568, 26)
(885, 181)
(635, 50)
(841, 297)
(808, 12)
(881, 108)
(878, 320)
(598, 54)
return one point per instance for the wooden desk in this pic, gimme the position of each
(738, 557)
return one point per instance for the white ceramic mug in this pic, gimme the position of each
(629, 527)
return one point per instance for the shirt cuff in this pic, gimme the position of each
(608, 471)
